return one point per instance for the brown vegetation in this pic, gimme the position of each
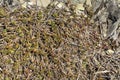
(54, 44)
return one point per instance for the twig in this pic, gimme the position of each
(100, 72)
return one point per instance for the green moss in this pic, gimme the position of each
(49, 44)
(3, 13)
(40, 15)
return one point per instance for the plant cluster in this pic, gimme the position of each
(53, 44)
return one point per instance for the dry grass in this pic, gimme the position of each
(52, 44)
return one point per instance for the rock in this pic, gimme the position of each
(110, 51)
(59, 4)
(6, 1)
(25, 3)
(40, 3)
(107, 13)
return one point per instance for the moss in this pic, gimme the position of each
(49, 44)
(3, 12)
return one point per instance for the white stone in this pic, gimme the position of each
(110, 51)
(59, 4)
